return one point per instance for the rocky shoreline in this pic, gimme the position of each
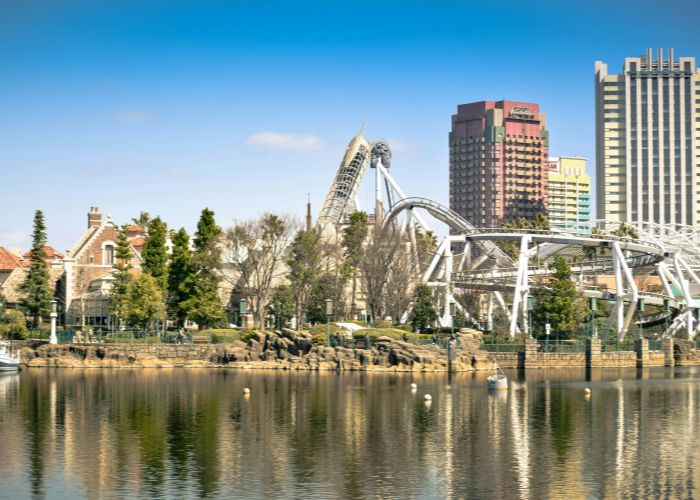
(284, 350)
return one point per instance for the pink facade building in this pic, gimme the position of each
(498, 162)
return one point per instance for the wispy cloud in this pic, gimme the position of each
(133, 115)
(291, 142)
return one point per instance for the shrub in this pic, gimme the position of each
(15, 327)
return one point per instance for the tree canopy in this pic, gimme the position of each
(36, 287)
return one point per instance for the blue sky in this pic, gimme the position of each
(244, 107)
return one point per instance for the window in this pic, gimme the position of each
(109, 255)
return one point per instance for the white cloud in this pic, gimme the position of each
(133, 115)
(292, 142)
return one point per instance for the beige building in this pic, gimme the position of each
(569, 193)
(647, 128)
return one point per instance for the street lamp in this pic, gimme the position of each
(329, 311)
(54, 314)
(452, 317)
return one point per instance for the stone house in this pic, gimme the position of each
(88, 269)
(13, 269)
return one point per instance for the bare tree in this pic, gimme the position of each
(256, 250)
(387, 273)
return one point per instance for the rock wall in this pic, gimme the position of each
(283, 350)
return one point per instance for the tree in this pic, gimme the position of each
(354, 236)
(122, 275)
(180, 276)
(283, 305)
(142, 220)
(558, 303)
(155, 255)
(423, 313)
(257, 252)
(143, 302)
(387, 271)
(304, 264)
(328, 286)
(36, 287)
(203, 304)
(626, 231)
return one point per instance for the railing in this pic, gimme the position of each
(561, 346)
(496, 346)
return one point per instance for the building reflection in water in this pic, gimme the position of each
(192, 433)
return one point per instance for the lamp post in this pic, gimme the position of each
(593, 306)
(54, 314)
(640, 308)
(452, 318)
(329, 311)
(242, 312)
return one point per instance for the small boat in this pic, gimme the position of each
(7, 361)
(497, 382)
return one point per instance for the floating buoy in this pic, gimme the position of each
(246, 391)
(414, 385)
(428, 397)
(587, 391)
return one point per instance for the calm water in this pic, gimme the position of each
(192, 433)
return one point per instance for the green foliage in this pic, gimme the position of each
(559, 303)
(155, 255)
(354, 236)
(423, 313)
(36, 287)
(625, 231)
(304, 264)
(180, 276)
(203, 304)
(204, 307)
(143, 304)
(282, 304)
(207, 253)
(14, 326)
(326, 287)
(122, 275)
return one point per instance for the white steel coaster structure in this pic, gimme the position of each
(482, 265)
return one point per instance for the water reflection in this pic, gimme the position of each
(165, 433)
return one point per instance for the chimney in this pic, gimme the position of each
(94, 217)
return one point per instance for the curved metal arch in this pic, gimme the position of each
(455, 221)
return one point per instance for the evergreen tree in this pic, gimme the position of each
(122, 275)
(304, 269)
(36, 287)
(204, 305)
(423, 313)
(559, 303)
(283, 305)
(180, 276)
(155, 255)
(354, 237)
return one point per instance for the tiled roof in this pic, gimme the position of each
(51, 253)
(9, 260)
(133, 228)
(137, 241)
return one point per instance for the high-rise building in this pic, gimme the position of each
(569, 199)
(498, 162)
(647, 128)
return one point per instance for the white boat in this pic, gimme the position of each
(7, 361)
(497, 382)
